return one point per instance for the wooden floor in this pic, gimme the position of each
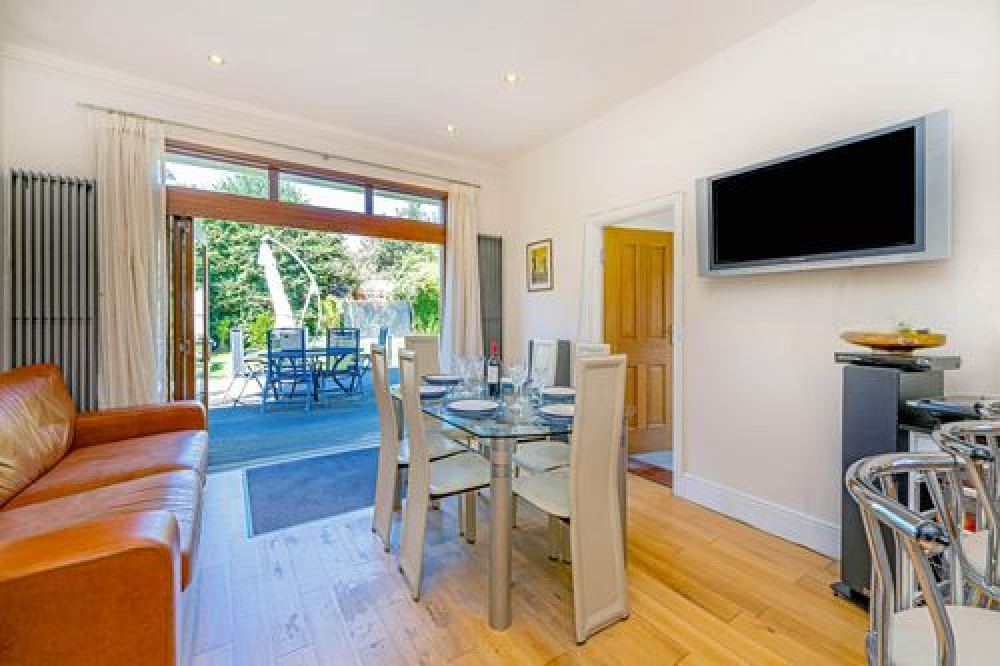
(703, 589)
(660, 475)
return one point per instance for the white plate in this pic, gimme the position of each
(432, 391)
(560, 411)
(561, 392)
(442, 379)
(473, 406)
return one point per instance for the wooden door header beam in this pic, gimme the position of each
(238, 208)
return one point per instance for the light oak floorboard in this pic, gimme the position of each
(703, 589)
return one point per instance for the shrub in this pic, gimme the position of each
(255, 336)
(427, 306)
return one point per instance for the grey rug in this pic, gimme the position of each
(295, 492)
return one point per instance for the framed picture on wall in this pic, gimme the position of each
(539, 257)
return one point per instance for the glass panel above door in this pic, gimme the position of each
(294, 188)
(408, 206)
(202, 173)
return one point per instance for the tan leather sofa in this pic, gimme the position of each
(99, 526)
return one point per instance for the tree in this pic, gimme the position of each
(237, 288)
(238, 294)
(415, 271)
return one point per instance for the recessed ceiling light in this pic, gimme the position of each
(512, 78)
(216, 59)
(451, 128)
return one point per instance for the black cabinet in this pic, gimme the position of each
(876, 420)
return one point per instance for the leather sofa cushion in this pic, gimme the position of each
(101, 465)
(36, 425)
(177, 492)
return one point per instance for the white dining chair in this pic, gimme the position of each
(539, 456)
(427, 350)
(586, 496)
(545, 455)
(459, 475)
(394, 455)
(542, 360)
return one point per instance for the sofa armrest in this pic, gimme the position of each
(110, 425)
(106, 591)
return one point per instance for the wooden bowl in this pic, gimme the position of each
(904, 342)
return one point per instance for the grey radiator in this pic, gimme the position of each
(491, 290)
(51, 259)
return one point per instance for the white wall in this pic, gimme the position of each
(761, 426)
(43, 128)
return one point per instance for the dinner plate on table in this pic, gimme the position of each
(559, 394)
(559, 412)
(473, 408)
(432, 392)
(443, 380)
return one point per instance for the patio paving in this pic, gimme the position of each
(243, 435)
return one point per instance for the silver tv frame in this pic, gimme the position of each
(933, 132)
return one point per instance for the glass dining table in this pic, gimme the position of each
(498, 436)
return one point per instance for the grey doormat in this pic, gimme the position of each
(298, 491)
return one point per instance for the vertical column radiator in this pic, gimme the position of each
(491, 290)
(51, 258)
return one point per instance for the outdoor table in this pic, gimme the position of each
(499, 435)
(314, 354)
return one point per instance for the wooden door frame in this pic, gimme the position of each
(662, 213)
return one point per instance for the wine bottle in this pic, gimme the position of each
(493, 371)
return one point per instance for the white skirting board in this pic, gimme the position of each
(789, 524)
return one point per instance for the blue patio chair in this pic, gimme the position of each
(287, 367)
(342, 362)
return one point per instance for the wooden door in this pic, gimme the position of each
(187, 348)
(638, 322)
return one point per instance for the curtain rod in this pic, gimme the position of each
(278, 144)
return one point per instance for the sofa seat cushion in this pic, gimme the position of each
(101, 465)
(178, 492)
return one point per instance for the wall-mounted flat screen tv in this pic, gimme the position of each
(880, 197)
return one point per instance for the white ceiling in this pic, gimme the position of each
(403, 69)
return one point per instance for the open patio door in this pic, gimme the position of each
(188, 348)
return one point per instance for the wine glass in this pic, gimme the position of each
(535, 387)
(539, 375)
(518, 374)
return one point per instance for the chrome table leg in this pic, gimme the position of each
(501, 521)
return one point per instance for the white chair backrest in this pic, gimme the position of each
(426, 348)
(417, 477)
(543, 361)
(409, 388)
(383, 400)
(588, 350)
(596, 530)
(388, 454)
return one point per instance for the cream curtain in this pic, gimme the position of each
(132, 257)
(461, 325)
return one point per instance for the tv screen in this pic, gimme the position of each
(863, 197)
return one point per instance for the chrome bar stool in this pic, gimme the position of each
(976, 446)
(923, 628)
